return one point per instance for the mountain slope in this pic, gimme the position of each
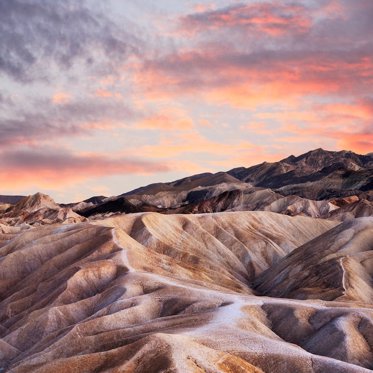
(356, 209)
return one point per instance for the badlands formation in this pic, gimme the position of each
(266, 269)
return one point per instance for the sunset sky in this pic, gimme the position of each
(100, 97)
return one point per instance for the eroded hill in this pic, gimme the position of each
(155, 293)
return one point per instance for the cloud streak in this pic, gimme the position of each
(297, 73)
(58, 168)
(272, 18)
(63, 117)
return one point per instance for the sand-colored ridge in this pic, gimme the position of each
(245, 242)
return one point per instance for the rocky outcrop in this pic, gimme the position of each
(38, 209)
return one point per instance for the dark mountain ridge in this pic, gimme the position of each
(355, 170)
(352, 173)
(10, 199)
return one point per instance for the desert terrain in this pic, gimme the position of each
(261, 269)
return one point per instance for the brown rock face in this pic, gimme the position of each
(173, 293)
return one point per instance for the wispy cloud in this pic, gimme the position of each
(272, 18)
(63, 117)
(56, 168)
(167, 119)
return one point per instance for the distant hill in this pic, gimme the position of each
(10, 199)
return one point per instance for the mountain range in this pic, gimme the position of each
(314, 184)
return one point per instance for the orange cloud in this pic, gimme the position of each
(190, 142)
(167, 119)
(348, 124)
(101, 125)
(361, 110)
(214, 153)
(205, 123)
(203, 7)
(290, 115)
(359, 142)
(187, 167)
(244, 81)
(61, 98)
(104, 93)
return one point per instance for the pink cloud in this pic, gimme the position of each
(61, 98)
(56, 169)
(223, 154)
(105, 93)
(323, 51)
(170, 118)
(247, 80)
(348, 124)
(272, 18)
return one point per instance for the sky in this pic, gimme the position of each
(101, 97)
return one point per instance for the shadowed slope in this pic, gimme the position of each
(335, 265)
(357, 209)
(211, 200)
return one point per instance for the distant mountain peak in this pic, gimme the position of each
(320, 150)
(35, 202)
